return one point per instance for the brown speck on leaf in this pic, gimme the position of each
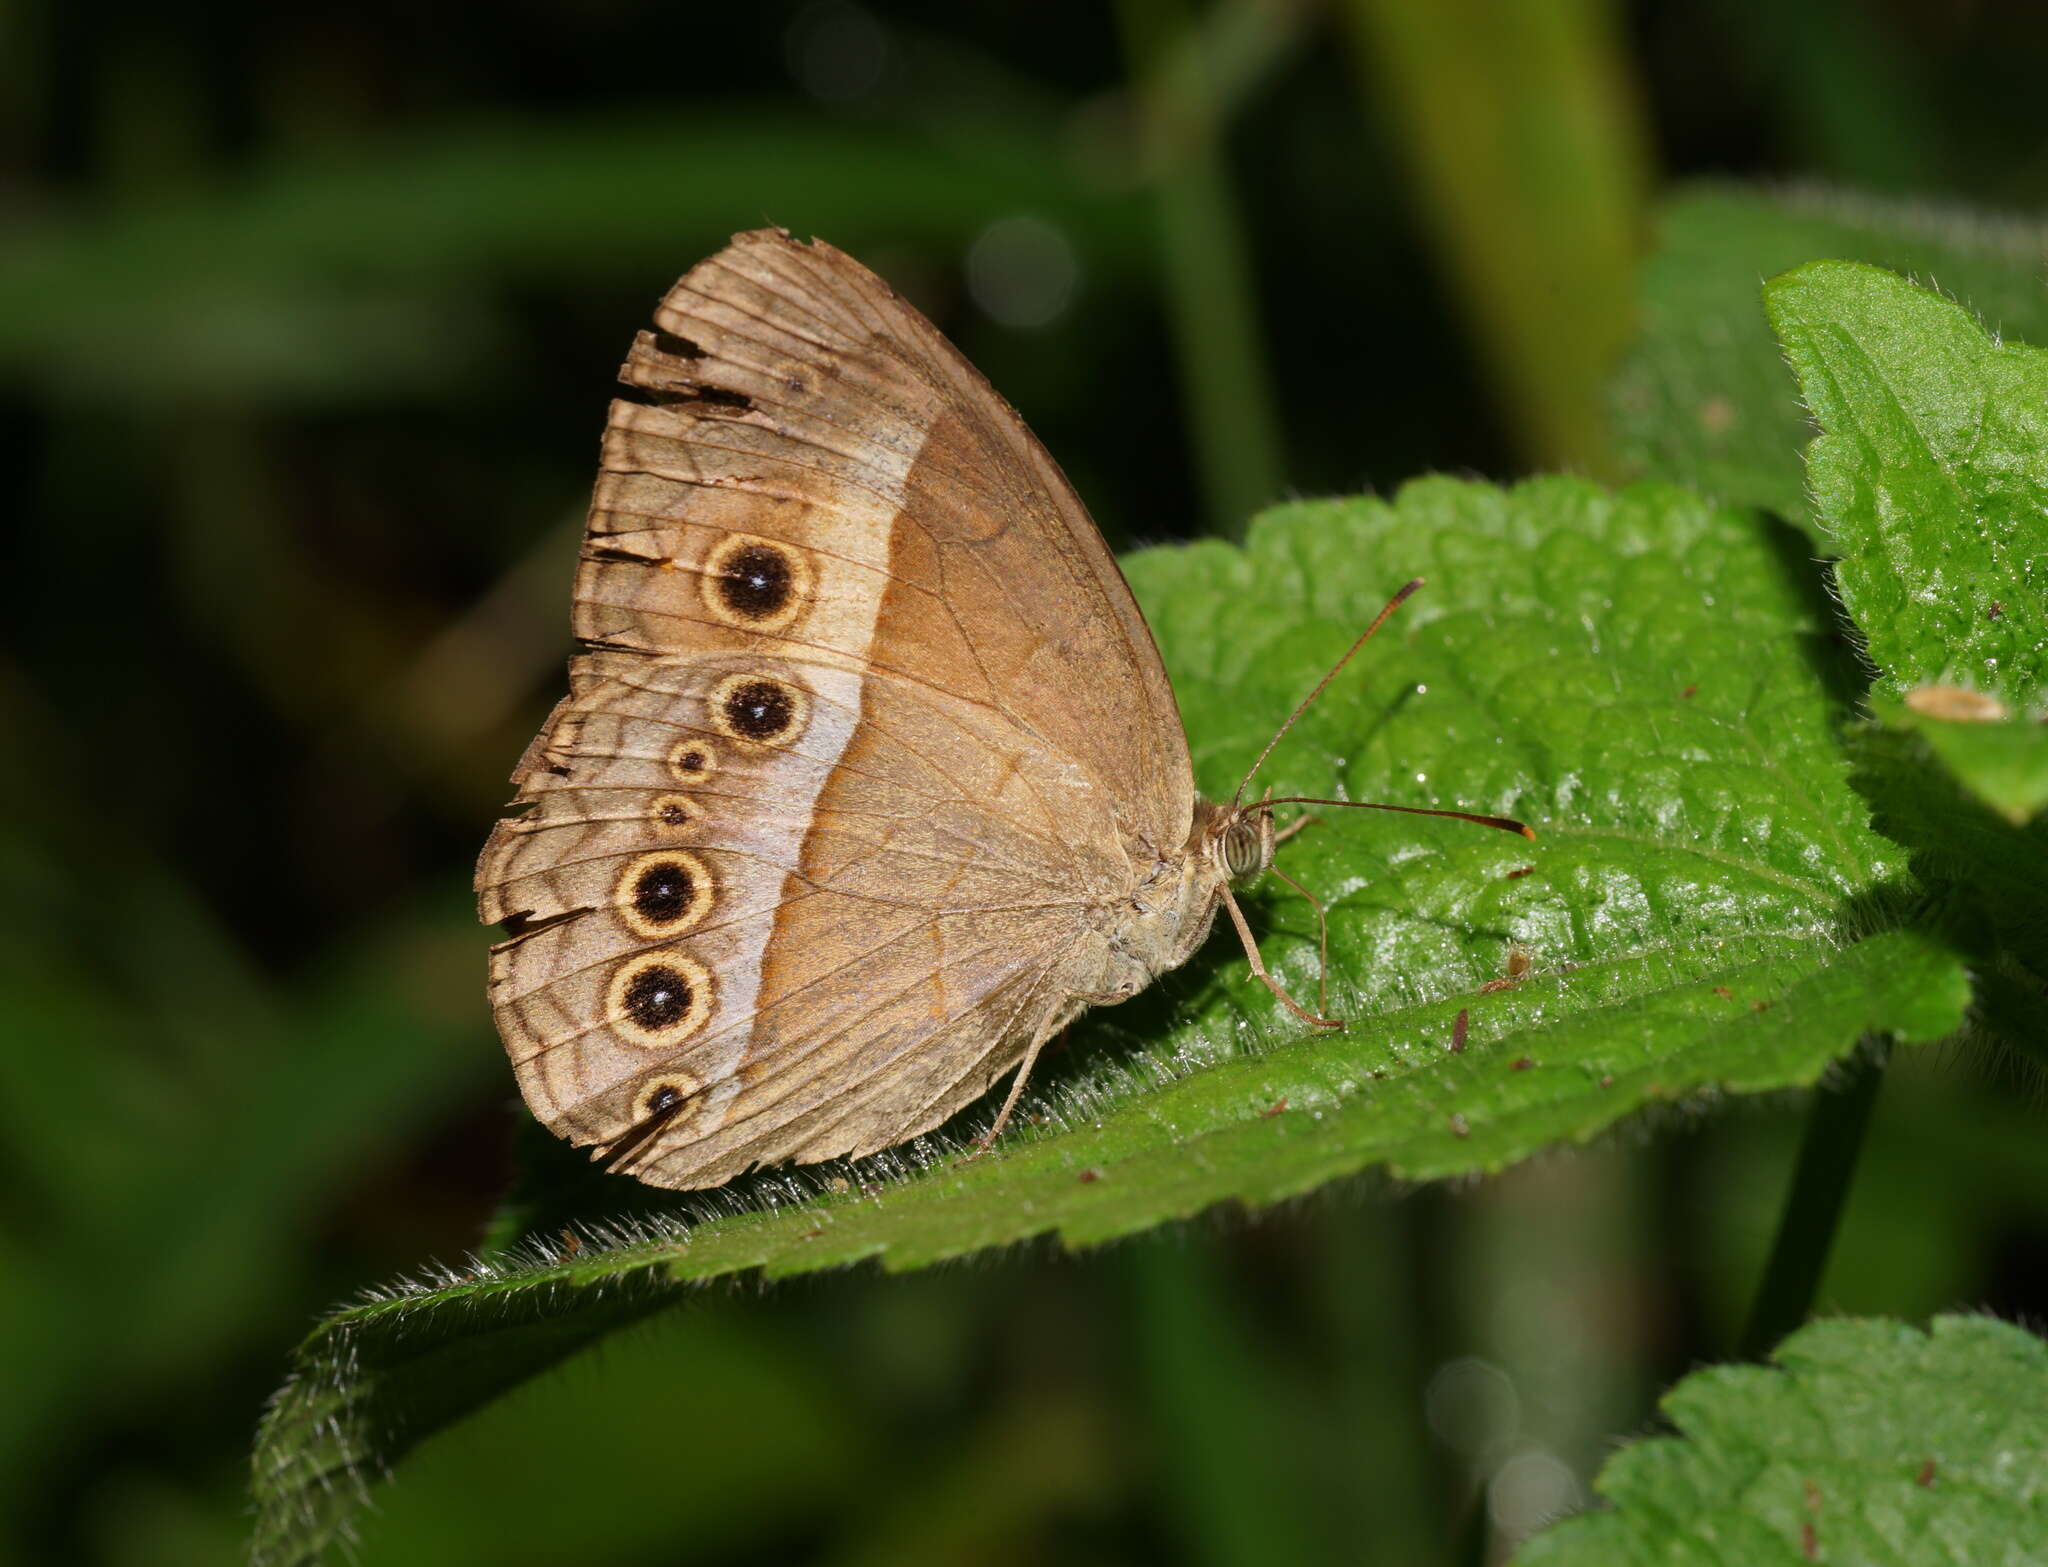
(1520, 1064)
(1519, 963)
(1460, 1127)
(1955, 704)
(1272, 1109)
(1717, 415)
(810, 1235)
(1377, 1075)
(572, 1243)
(1724, 992)
(1995, 612)
(1519, 872)
(1690, 692)
(1759, 1006)
(1809, 1542)
(838, 1186)
(1607, 1082)
(1089, 1177)
(1459, 1026)
(1925, 1477)
(1812, 1494)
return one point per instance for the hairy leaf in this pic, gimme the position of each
(1704, 400)
(1965, 798)
(1930, 475)
(2002, 762)
(1706, 911)
(1868, 1442)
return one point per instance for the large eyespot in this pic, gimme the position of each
(755, 583)
(674, 814)
(759, 709)
(665, 893)
(659, 999)
(692, 761)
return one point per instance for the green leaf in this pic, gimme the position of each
(1965, 799)
(2002, 762)
(1707, 911)
(1930, 475)
(1703, 399)
(1870, 1442)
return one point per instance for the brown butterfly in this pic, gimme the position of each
(870, 779)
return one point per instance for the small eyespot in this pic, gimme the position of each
(692, 761)
(674, 813)
(659, 999)
(664, 1098)
(665, 893)
(755, 583)
(759, 709)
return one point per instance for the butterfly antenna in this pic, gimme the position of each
(1336, 669)
(1505, 823)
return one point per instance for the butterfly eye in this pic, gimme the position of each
(1244, 849)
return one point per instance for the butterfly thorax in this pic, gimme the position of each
(1169, 912)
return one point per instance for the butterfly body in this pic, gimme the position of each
(869, 779)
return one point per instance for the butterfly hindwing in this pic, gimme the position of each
(869, 737)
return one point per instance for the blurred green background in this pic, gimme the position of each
(308, 319)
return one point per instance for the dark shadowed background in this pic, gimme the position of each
(308, 321)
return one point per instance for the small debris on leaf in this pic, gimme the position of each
(1956, 704)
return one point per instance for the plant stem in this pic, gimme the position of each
(1529, 153)
(1835, 1125)
(1232, 1482)
(1203, 261)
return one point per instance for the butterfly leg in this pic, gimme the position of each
(1251, 952)
(987, 1139)
(1292, 828)
(1322, 930)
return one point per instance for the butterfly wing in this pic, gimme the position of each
(869, 735)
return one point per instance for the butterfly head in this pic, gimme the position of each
(1238, 839)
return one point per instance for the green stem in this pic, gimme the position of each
(1206, 270)
(1529, 156)
(1835, 1126)
(1231, 1480)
